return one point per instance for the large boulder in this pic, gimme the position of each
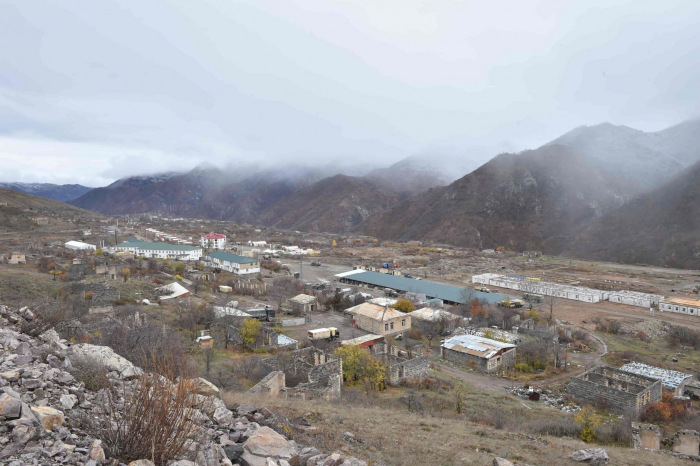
(201, 386)
(105, 357)
(266, 443)
(48, 417)
(10, 408)
(592, 456)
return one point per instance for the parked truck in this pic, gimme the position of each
(327, 334)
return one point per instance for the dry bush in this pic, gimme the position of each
(556, 428)
(151, 417)
(92, 374)
(618, 433)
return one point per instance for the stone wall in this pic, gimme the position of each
(101, 292)
(507, 359)
(645, 436)
(622, 391)
(292, 321)
(271, 385)
(322, 372)
(686, 442)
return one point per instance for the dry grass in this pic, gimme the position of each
(394, 436)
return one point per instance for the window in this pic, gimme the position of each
(392, 326)
(386, 327)
(403, 322)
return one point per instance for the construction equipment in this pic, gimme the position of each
(483, 289)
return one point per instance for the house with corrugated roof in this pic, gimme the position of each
(478, 353)
(380, 320)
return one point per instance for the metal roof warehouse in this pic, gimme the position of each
(448, 293)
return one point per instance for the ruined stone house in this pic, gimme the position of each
(621, 391)
(482, 354)
(314, 375)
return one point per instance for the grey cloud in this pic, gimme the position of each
(161, 86)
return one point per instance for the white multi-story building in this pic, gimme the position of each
(233, 263)
(213, 241)
(688, 306)
(159, 250)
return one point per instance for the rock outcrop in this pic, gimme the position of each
(44, 411)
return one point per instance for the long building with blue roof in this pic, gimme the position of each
(448, 293)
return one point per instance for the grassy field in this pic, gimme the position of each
(389, 433)
(20, 285)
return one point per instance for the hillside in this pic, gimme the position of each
(646, 159)
(335, 205)
(532, 200)
(204, 192)
(22, 207)
(58, 192)
(418, 173)
(660, 228)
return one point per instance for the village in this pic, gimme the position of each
(282, 316)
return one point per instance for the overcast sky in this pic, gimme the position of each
(91, 91)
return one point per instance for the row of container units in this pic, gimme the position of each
(526, 285)
(687, 306)
(634, 298)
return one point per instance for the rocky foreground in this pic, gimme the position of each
(47, 416)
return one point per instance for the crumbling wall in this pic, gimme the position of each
(618, 389)
(646, 436)
(271, 385)
(322, 372)
(101, 292)
(687, 442)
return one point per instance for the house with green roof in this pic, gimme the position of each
(159, 250)
(233, 263)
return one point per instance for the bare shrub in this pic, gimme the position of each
(150, 418)
(92, 374)
(560, 428)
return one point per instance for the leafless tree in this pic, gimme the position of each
(550, 303)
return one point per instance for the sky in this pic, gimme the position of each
(92, 91)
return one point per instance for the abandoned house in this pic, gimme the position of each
(380, 320)
(205, 340)
(302, 304)
(673, 381)
(400, 365)
(480, 353)
(620, 390)
(267, 338)
(17, 258)
(434, 321)
(308, 373)
(99, 293)
(172, 291)
(109, 270)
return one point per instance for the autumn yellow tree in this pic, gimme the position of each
(404, 305)
(250, 329)
(126, 273)
(360, 368)
(588, 419)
